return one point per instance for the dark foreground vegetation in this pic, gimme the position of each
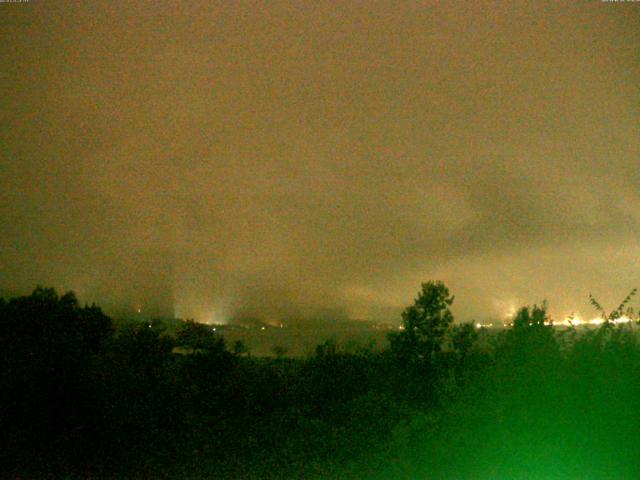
(82, 399)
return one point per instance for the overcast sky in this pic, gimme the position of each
(301, 159)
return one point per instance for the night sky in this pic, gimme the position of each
(292, 160)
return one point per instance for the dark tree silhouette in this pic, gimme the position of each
(532, 339)
(463, 337)
(199, 338)
(279, 351)
(239, 348)
(47, 343)
(425, 325)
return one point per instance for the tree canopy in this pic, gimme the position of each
(424, 324)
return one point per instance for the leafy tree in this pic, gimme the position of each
(239, 348)
(199, 338)
(47, 343)
(531, 318)
(609, 336)
(619, 312)
(463, 337)
(532, 339)
(279, 351)
(425, 325)
(327, 349)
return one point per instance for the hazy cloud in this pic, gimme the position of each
(320, 159)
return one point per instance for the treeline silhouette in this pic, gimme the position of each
(84, 399)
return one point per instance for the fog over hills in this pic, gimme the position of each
(221, 160)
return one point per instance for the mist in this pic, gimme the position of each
(219, 161)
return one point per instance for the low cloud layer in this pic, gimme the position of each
(321, 160)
